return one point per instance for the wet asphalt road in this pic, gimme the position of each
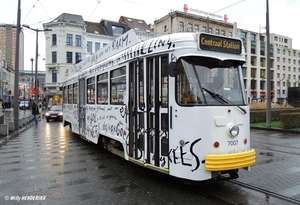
(57, 167)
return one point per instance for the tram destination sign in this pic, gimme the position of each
(220, 44)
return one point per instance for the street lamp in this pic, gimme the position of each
(36, 55)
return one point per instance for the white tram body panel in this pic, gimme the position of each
(182, 127)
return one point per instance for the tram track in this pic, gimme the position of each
(266, 192)
(276, 150)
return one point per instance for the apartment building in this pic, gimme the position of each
(284, 66)
(178, 21)
(8, 34)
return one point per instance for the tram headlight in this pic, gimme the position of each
(234, 130)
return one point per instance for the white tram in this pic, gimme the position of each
(175, 103)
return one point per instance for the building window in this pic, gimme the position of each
(190, 28)
(230, 34)
(209, 30)
(69, 57)
(97, 46)
(54, 57)
(54, 76)
(275, 38)
(253, 48)
(217, 32)
(117, 31)
(252, 37)
(222, 33)
(104, 44)
(54, 40)
(262, 49)
(181, 26)
(89, 46)
(203, 29)
(69, 40)
(196, 28)
(243, 35)
(78, 40)
(78, 57)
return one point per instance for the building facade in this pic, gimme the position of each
(284, 66)
(178, 21)
(8, 34)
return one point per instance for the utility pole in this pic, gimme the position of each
(31, 76)
(268, 114)
(16, 88)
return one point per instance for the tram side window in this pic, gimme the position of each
(90, 90)
(75, 93)
(65, 97)
(102, 88)
(164, 81)
(70, 94)
(118, 86)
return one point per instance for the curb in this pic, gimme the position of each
(275, 129)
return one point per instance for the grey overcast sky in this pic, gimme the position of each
(249, 14)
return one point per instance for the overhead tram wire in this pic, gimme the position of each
(44, 9)
(31, 11)
(228, 6)
(99, 1)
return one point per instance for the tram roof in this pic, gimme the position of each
(127, 47)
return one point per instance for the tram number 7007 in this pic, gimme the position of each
(233, 142)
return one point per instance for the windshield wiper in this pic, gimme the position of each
(220, 98)
(216, 96)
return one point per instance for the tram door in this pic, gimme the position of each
(81, 107)
(148, 116)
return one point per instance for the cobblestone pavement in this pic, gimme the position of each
(277, 168)
(46, 161)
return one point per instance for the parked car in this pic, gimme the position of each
(54, 113)
(24, 104)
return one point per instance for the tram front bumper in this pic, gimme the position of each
(232, 161)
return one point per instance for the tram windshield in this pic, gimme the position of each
(209, 81)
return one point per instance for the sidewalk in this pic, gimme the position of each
(9, 117)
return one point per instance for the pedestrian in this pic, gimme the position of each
(35, 112)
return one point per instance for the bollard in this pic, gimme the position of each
(2, 119)
(3, 129)
(24, 119)
(20, 122)
(11, 126)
